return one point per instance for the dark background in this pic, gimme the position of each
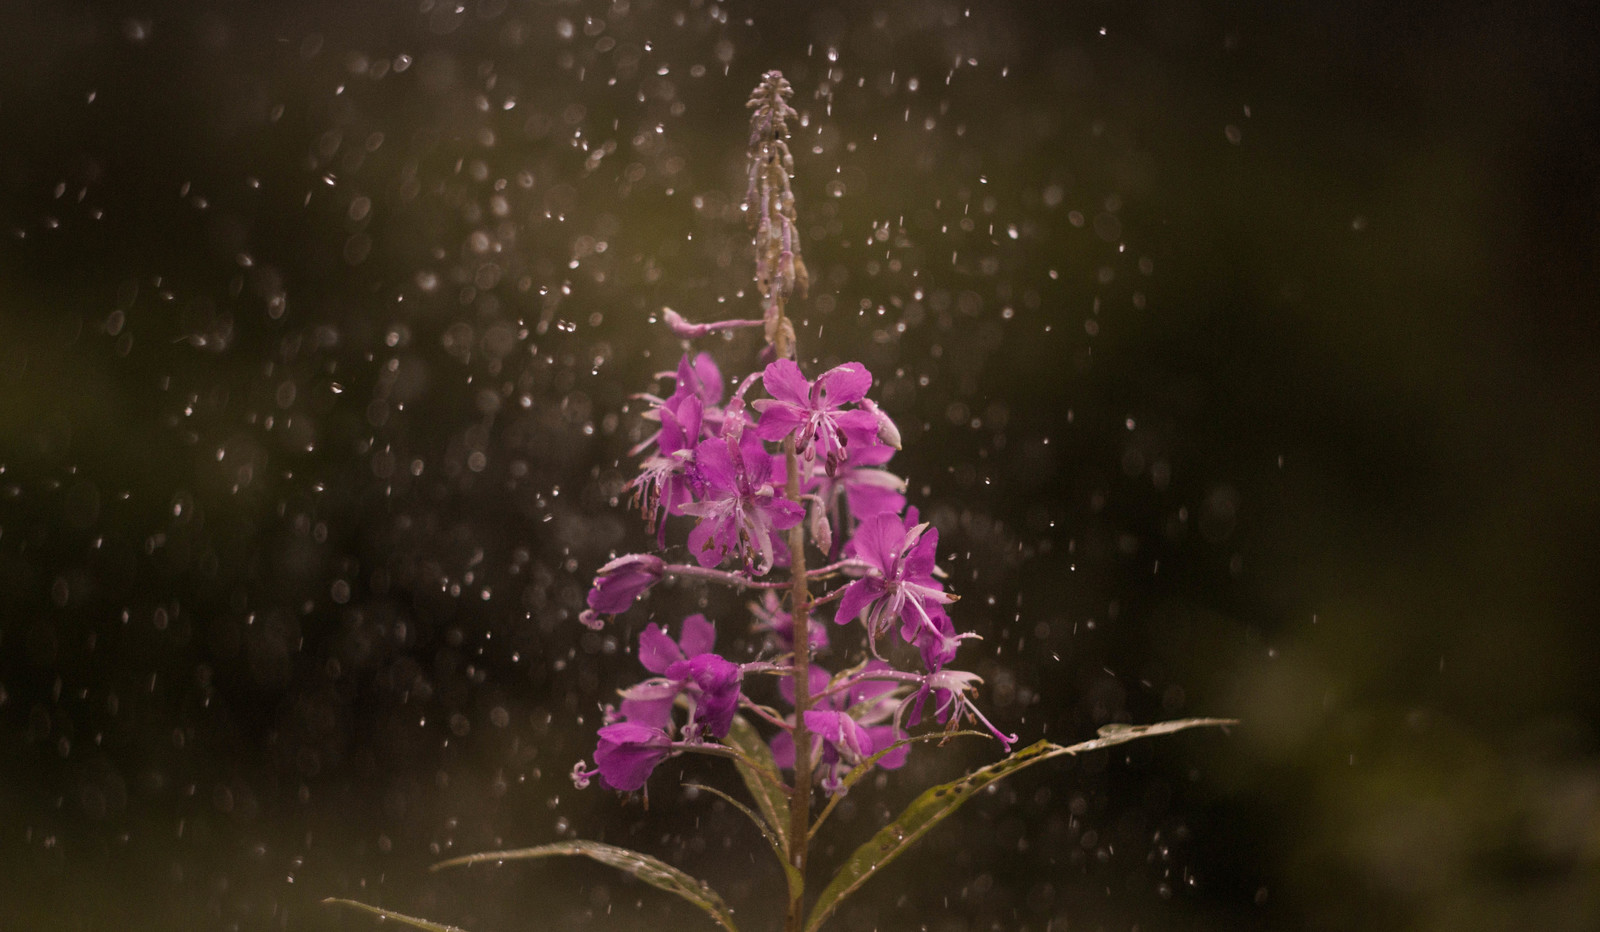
(1245, 355)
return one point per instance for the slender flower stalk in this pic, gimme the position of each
(781, 272)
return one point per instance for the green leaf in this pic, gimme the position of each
(391, 914)
(653, 871)
(790, 873)
(865, 767)
(761, 778)
(937, 802)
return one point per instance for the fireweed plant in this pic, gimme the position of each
(785, 484)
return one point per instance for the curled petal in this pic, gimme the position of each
(857, 596)
(715, 688)
(628, 752)
(621, 581)
(840, 732)
(650, 703)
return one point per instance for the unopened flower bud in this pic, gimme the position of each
(619, 583)
(887, 432)
(817, 524)
(679, 327)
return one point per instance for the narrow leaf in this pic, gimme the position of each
(653, 871)
(761, 778)
(391, 914)
(790, 873)
(865, 767)
(937, 802)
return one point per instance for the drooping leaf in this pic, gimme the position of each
(937, 802)
(761, 778)
(423, 924)
(790, 873)
(653, 871)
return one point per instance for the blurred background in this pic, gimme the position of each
(1245, 355)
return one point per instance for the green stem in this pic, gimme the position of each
(800, 612)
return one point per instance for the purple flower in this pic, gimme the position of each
(740, 509)
(697, 378)
(650, 702)
(845, 744)
(951, 702)
(712, 684)
(864, 702)
(687, 667)
(867, 490)
(819, 679)
(619, 583)
(700, 376)
(669, 479)
(626, 755)
(811, 410)
(860, 485)
(771, 617)
(937, 641)
(900, 581)
(658, 651)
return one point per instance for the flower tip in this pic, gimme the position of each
(680, 327)
(591, 619)
(888, 434)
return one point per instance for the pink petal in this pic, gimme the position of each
(783, 750)
(879, 539)
(860, 427)
(817, 676)
(846, 383)
(698, 636)
(919, 562)
(715, 462)
(650, 703)
(705, 542)
(705, 368)
(784, 513)
(778, 419)
(784, 381)
(885, 736)
(657, 651)
(857, 596)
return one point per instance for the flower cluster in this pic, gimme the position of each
(712, 464)
(780, 462)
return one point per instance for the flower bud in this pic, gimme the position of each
(619, 583)
(887, 432)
